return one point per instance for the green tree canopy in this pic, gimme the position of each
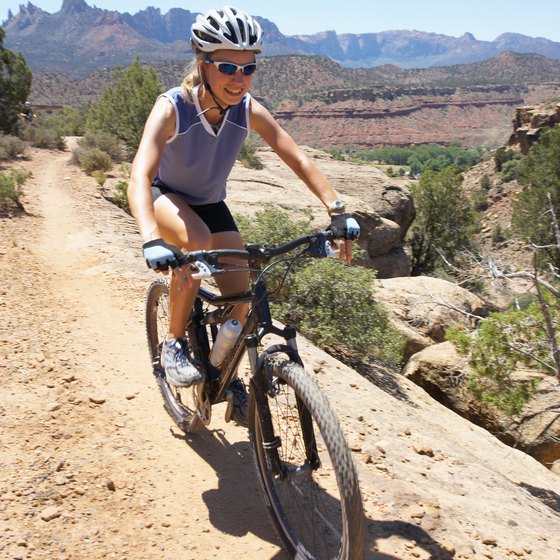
(444, 220)
(125, 104)
(15, 83)
(539, 173)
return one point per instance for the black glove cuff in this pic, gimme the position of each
(153, 243)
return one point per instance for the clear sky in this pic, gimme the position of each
(485, 19)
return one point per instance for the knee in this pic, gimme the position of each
(197, 241)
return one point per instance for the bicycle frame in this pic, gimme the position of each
(258, 325)
(288, 415)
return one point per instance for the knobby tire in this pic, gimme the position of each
(317, 513)
(180, 403)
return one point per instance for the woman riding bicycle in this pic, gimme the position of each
(178, 182)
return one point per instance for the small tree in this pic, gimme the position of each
(125, 104)
(525, 334)
(444, 223)
(15, 83)
(539, 173)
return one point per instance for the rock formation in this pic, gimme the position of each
(530, 121)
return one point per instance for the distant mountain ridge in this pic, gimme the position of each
(80, 39)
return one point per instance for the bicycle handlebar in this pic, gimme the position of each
(205, 263)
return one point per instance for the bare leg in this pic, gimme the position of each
(236, 281)
(181, 227)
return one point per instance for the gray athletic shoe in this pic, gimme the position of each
(176, 361)
(240, 411)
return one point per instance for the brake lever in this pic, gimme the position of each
(203, 269)
(322, 248)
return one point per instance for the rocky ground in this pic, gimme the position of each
(92, 467)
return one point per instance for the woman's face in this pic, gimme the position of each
(229, 89)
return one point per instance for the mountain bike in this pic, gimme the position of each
(303, 464)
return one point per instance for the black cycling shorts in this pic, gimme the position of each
(216, 216)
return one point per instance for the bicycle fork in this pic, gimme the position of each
(262, 385)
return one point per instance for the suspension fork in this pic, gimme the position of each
(259, 388)
(262, 385)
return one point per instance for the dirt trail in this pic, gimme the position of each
(92, 467)
(84, 436)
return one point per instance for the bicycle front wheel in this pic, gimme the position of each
(312, 492)
(182, 404)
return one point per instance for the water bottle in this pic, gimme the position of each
(227, 335)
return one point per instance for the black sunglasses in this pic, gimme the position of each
(230, 68)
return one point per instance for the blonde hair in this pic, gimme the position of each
(192, 76)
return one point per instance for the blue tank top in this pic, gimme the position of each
(197, 160)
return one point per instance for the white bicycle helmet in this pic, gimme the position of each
(228, 28)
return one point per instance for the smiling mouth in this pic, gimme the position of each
(235, 92)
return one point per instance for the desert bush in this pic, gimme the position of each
(510, 170)
(345, 319)
(272, 226)
(94, 159)
(538, 205)
(11, 147)
(99, 177)
(119, 196)
(44, 137)
(485, 183)
(480, 200)
(502, 342)
(10, 188)
(105, 141)
(248, 155)
(498, 234)
(67, 122)
(15, 84)
(503, 155)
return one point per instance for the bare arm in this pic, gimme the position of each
(159, 128)
(283, 144)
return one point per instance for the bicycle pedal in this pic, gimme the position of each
(229, 408)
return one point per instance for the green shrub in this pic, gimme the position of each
(503, 155)
(45, 138)
(106, 142)
(485, 183)
(498, 234)
(509, 170)
(120, 197)
(100, 177)
(125, 104)
(11, 147)
(334, 306)
(10, 188)
(523, 301)
(67, 122)
(273, 226)
(248, 155)
(94, 159)
(330, 303)
(480, 200)
(503, 342)
(444, 223)
(532, 218)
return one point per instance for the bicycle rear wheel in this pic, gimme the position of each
(182, 404)
(316, 508)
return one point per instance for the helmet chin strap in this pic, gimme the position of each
(221, 109)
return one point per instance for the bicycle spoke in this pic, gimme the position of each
(309, 503)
